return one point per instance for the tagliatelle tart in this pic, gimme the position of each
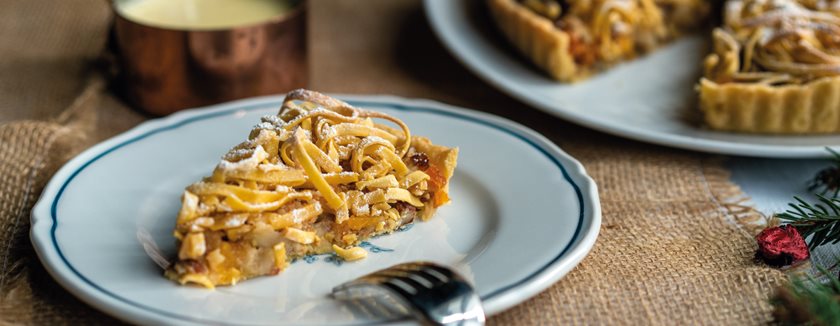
(775, 68)
(571, 40)
(319, 177)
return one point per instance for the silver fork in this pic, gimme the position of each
(434, 294)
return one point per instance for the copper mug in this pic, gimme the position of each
(164, 70)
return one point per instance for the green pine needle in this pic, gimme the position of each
(828, 180)
(820, 220)
(808, 301)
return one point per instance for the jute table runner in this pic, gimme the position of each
(670, 251)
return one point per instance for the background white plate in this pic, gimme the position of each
(651, 99)
(523, 214)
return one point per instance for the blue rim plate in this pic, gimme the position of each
(524, 213)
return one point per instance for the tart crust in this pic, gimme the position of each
(757, 108)
(537, 38)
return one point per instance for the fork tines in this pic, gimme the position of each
(434, 294)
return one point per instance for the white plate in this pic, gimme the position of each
(651, 99)
(523, 214)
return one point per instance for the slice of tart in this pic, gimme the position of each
(775, 68)
(319, 177)
(571, 40)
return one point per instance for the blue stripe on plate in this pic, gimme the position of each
(494, 293)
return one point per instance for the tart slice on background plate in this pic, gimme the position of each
(775, 68)
(572, 40)
(319, 177)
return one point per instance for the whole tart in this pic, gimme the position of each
(319, 177)
(571, 40)
(775, 68)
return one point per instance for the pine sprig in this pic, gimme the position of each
(808, 301)
(828, 179)
(820, 220)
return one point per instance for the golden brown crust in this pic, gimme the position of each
(758, 108)
(537, 38)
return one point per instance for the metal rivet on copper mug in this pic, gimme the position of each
(164, 70)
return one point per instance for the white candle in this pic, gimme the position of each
(201, 14)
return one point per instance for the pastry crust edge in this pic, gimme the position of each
(444, 159)
(536, 38)
(812, 108)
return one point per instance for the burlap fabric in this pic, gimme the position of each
(670, 251)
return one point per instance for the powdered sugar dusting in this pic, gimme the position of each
(369, 140)
(267, 167)
(247, 164)
(300, 214)
(282, 188)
